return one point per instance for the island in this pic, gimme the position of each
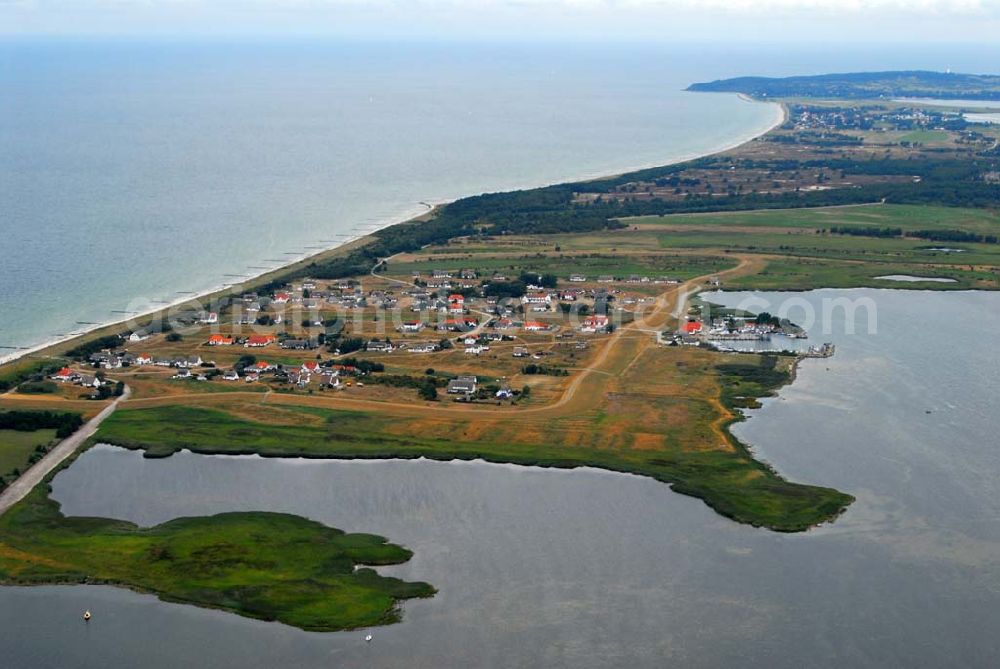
(562, 326)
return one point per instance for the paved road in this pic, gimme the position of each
(29, 479)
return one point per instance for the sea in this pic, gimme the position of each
(135, 173)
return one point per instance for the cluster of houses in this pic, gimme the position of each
(251, 308)
(262, 341)
(308, 374)
(632, 278)
(448, 279)
(109, 359)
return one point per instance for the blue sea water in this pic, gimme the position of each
(132, 170)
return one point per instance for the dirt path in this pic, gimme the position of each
(17, 490)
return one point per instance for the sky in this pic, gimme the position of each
(836, 21)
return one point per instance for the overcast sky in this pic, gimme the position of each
(751, 20)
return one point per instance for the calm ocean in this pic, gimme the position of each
(131, 171)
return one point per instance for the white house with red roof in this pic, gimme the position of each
(259, 341)
(63, 375)
(594, 323)
(537, 298)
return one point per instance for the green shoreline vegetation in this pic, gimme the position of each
(262, 565)
(732, 483)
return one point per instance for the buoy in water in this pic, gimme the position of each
(368, 637)
(86, 615)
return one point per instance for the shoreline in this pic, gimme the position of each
(404, 219)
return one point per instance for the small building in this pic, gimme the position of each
(260, 341)
(299, 344)
(377, 346)
(220, 340)
(459, 324)
(462, 385)
(692, 327)
(594, 323)
(63, 375)
(537, 298)
(577, 278)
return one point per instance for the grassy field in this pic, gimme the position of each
(551, 261)
(926, 137)
(907, 217)
(801, 253)
(261, 565)
(801, 273)
(16, 447)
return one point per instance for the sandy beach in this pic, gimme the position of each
(426, 208)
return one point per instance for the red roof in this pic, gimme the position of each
(260, 339)
(65, 371)
(692, 327)
(456, 298)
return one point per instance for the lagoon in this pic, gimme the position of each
(587, 568)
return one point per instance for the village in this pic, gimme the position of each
(453, 332)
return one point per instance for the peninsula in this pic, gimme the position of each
(554, 326)
(863, 86)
